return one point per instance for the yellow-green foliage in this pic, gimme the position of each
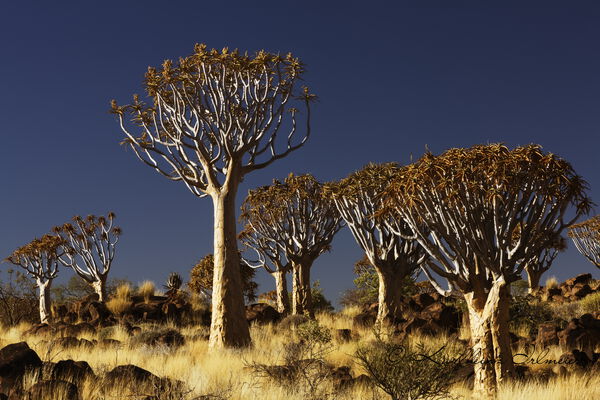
(146, 290)
(590, 303)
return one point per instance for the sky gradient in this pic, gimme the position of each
(392, 78)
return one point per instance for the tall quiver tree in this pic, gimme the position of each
(586, 236)
(89, 248)
(300, 220)
(40, 259)
(215, 117)
(388, 243)
(466, 208)
(542, 263)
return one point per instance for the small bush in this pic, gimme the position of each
(123, 291)
(529, 314)
(304, 371)
(291, 322)
(408, 373)
(106, 333)
(319, 301)
(158, 336)
(121, 302)
(551, 283)
(146, 290)
(590, 303)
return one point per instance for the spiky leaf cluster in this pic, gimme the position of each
(174, 281)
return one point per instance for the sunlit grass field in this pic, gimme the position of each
(226, 374)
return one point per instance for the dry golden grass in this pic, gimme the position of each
(552, 282)
(121, 302)
(225, 373)
(146, 290)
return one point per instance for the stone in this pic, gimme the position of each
(582, 278)
(343, 335)
(15, 360)
(364, 319)
(547, 335)
(50, 389)
(262, 313)
(129, 373)
(575, 358)
(71, 371)
(580, 291)
(341, 377)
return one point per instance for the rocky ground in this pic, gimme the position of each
(159, 322)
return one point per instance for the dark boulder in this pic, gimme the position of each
(575, 358)
(547, 335)
(15, 360)
(262, 313)
(71, 371)
(53, 389)
(343, 335)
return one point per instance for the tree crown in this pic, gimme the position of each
(216, 113)
(294, 215)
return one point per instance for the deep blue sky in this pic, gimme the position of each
(391, 77)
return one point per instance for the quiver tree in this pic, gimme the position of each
(483, 214)
(271, 257)
(297, 217)
(586, 236)
(201, 278)
(39, 259)
(542, 263)
(88, 248)
(388, 243)
(215, 117)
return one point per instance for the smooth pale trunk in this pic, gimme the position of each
(480, 319)
(533, 280)
(283, 299)
(390, 297)
(301, 295)
(44, 288)
(504, 365)
(229, 327)
(100, 288)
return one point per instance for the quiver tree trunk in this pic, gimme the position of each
(44, 288)
(480, 321)
(390, 296)
(100, 288)
(504, 365)
(533, 280)
(281, 291)
(229, 327)
(301, 294)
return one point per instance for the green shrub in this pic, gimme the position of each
(529, 313)
(590, 303)
(320, 303)
(408, 373)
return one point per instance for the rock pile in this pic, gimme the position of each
(570, 290)
(67, 377)
(424, 313)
